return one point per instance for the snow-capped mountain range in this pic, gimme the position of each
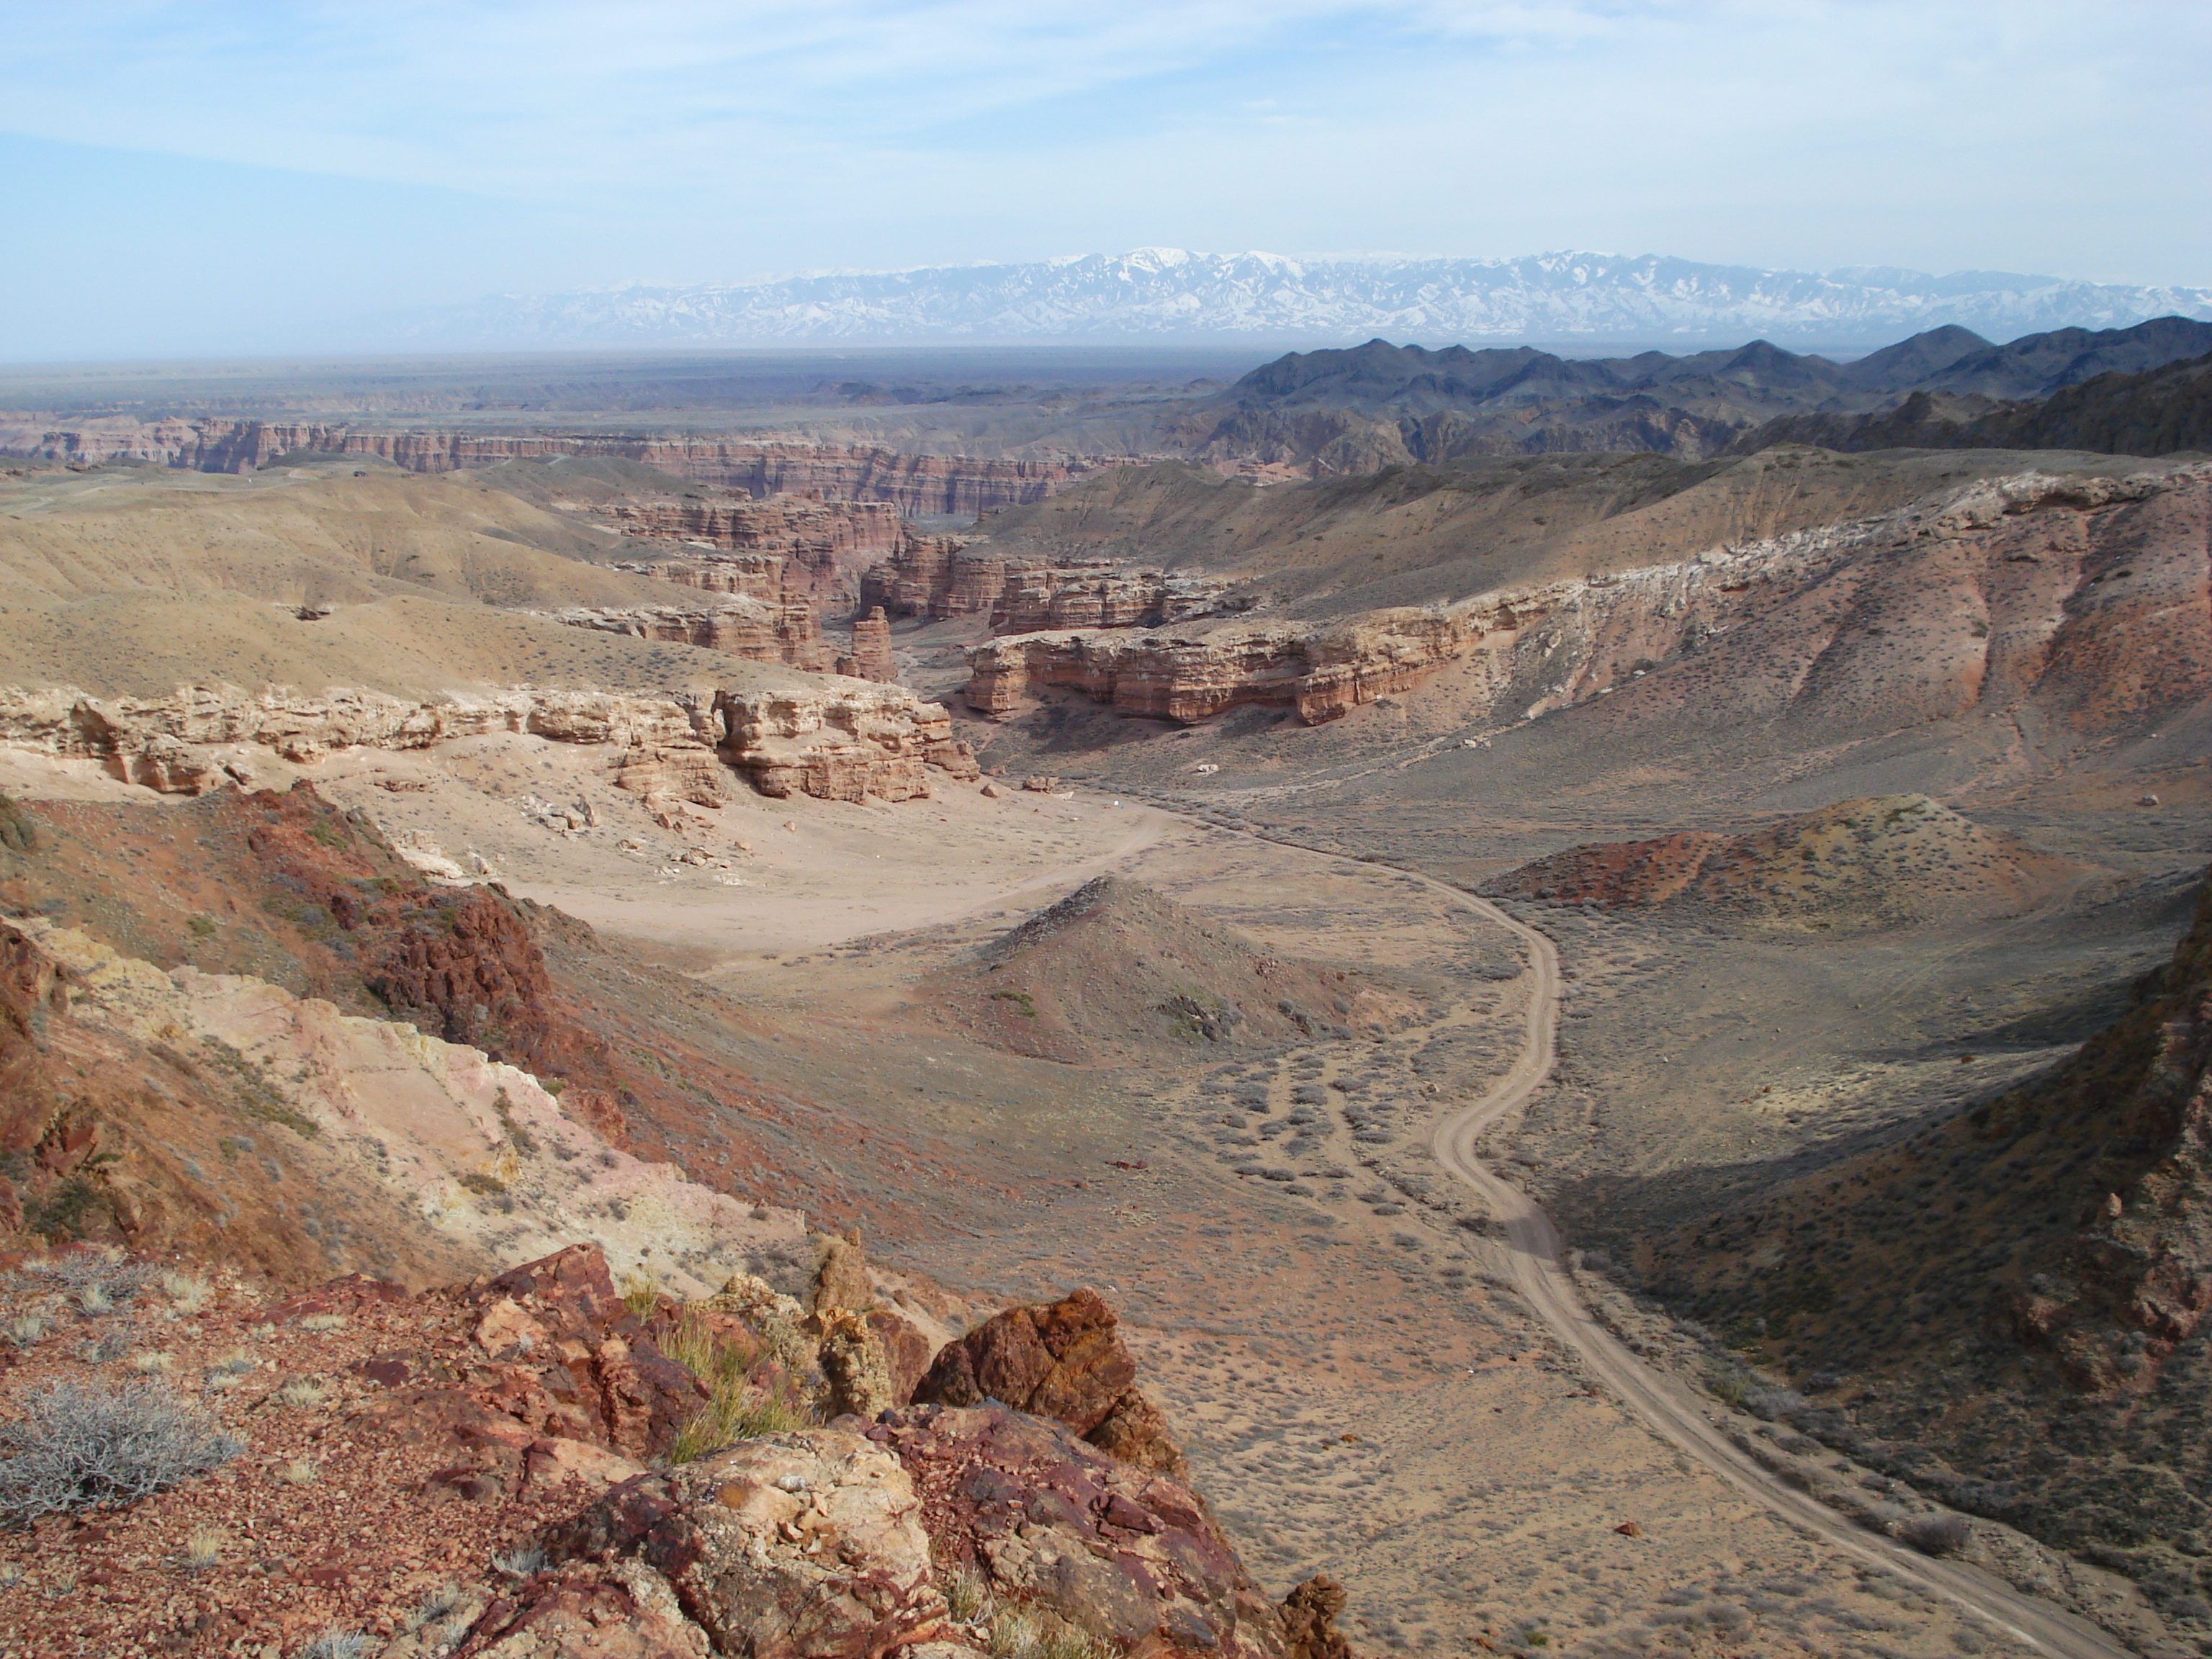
(1167, 294)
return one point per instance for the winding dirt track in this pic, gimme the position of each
(1540, 1276)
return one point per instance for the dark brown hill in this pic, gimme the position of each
(1379, 405)
(2010, 1305)
(1116, 970)
(2160, 411)
(1880, 861)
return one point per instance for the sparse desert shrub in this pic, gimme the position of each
(303, 1392)
(641, 1293)
(80, 1445)
(336, 1644)
(25, 1329)
(967, 1595)
(1019, 1633)
(737, 1413)
(521, 1563)
(203, 1548)
(93, 1301)
(1936, 1535)
(153, 1362)
(188, 1293)
(300, 1472)
(1773, 1405)
(321, 1323)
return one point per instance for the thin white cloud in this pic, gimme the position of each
(737, 140)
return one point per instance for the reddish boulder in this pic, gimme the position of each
(1064, 1360)
(1131, 1556)
(802, 1546)
(617, 1610)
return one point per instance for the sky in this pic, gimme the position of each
(178, 178)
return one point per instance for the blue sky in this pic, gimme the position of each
(179, 177)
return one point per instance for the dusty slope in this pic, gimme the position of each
(131, 581)
(1117, 971)
(1882, 861)
(2019, 1290)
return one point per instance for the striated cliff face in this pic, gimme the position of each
(840, 744)
(822, 545)
(835, 739)
(871, 658)
(758, 630)
(762, 468)
(937, 577)
(1320, 671)
(2083, 596)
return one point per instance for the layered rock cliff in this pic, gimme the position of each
(758, 630)
(2028, 588)
(823, 545)
(937, 485)
(937, 577)
(871, 657)
(1322, 673)
(836, 739)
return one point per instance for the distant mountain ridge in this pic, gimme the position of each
(1366, 407)
(1168, 294)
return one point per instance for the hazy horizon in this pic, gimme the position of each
(183, 182)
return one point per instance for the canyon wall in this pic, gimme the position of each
(758, 630)
(871, 657)
(2085, 595)
(833, 739)
(761, 467)
(823, 545)
(937, 577)
(1320, 672)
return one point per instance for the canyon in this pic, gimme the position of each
(1374, 990)
(919, 484)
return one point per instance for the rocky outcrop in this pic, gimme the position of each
(2028, 588)
(1097, 595)
(836, 743)
(937, 577)
(1064, 1360)
(925, 577)
(915, 484)
(757, 630)
(804, 1546)
(823, 545)
(871, 657)
(841, 744)
(754, 575)
(1321, 671)
(844, 1541)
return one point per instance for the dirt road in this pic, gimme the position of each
(1542, 1277)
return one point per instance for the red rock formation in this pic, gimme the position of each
(2030, 590)
(1321, 671)
(871, 658)
(940, 576)
(839, 744)
(826, 544)
(757, 630)
(753, 576)
(914, 484)
(1064, 1360)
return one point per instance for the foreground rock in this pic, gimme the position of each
(854, 1541)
